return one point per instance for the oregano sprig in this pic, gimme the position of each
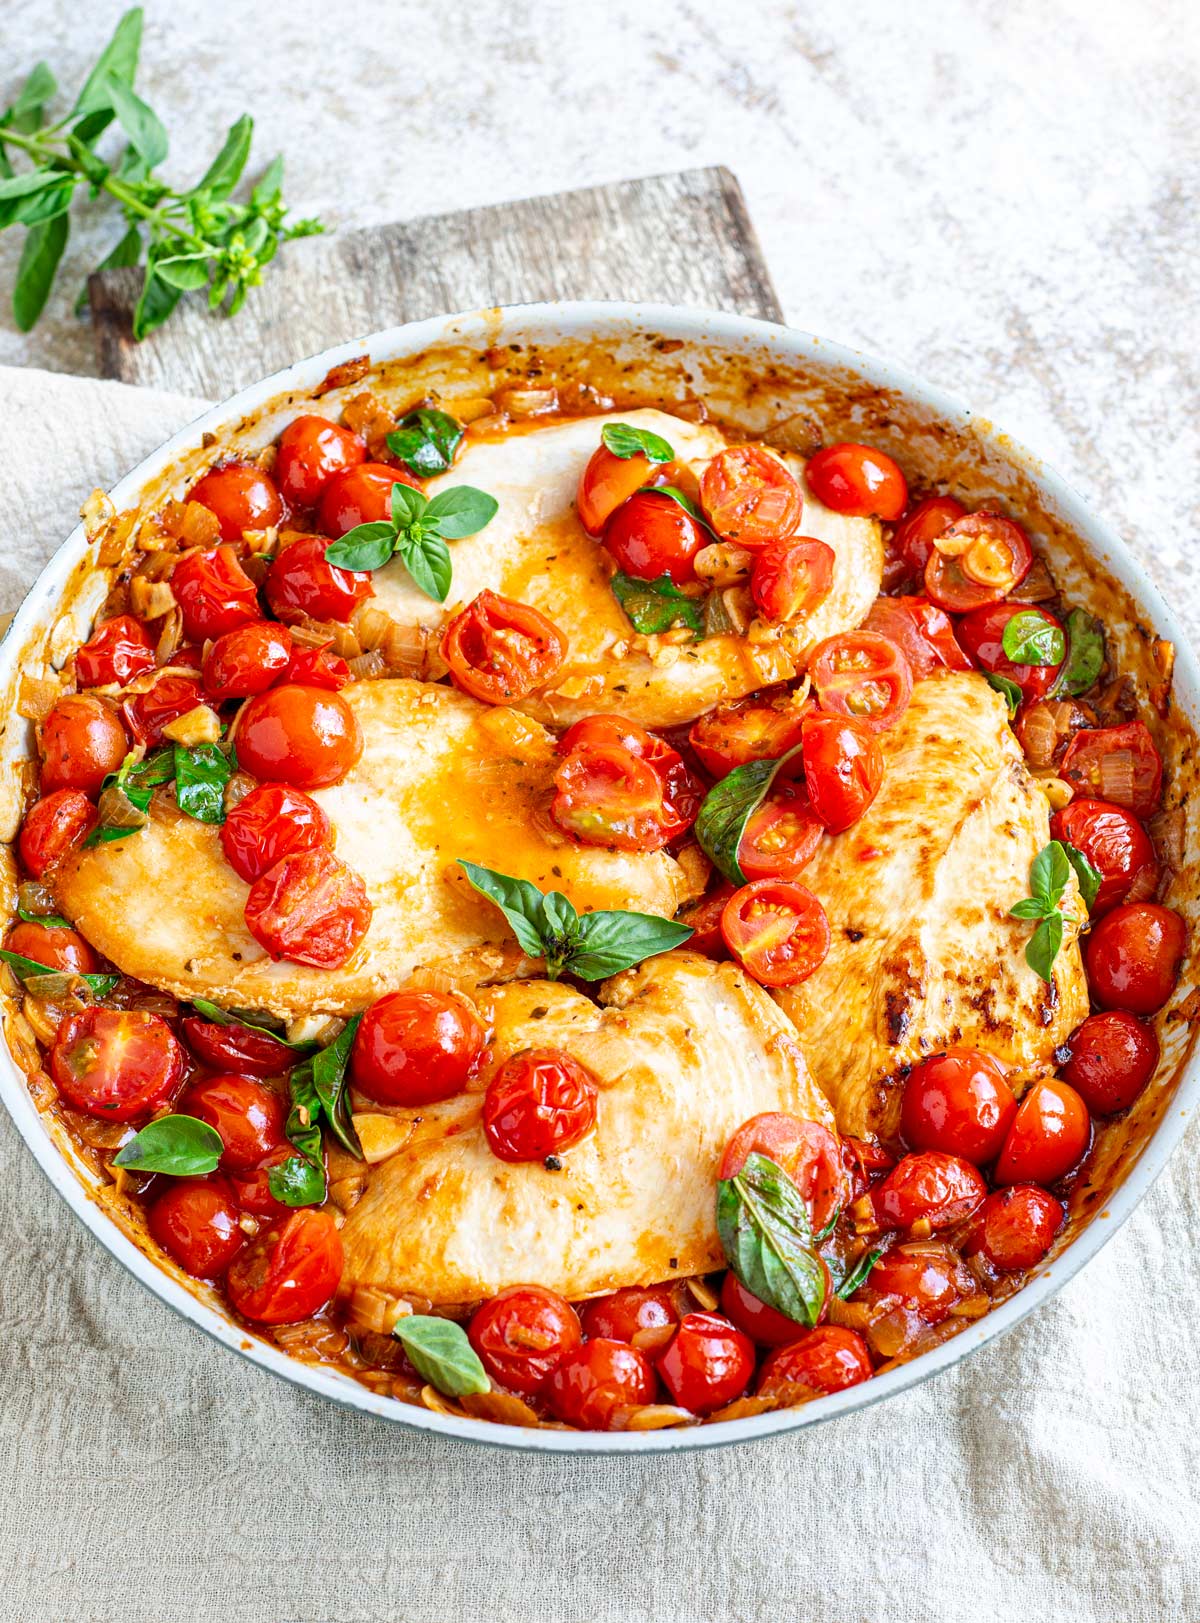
(417, 533)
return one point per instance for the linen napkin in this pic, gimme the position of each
(154, 1476)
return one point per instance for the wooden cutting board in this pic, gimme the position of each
(682, 238)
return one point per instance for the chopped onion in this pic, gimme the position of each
(1039, 735)
(518, 402)
(1116, 777)
(722, 564)
(37, 696)
(365, 667)
(655, 1417)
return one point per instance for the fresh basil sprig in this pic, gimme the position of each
(425, 441)
(767, 1238)
(653, 606)
(417, 533)
(1031, 638)
(319, 1096)
(1008, 690)
(1049, 876)
(125, 795)
(728, 807)
(180, 1146)
(234, 1017)
(439, 1351)
(201, 773)
(1085, 653)
(28, 969)
(592, 946)
(624, 441)
(857, 1275)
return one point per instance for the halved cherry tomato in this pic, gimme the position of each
(116, 1064)
(859, 480)
(246, 1114)
(498, 650)
(914, 536)
(319, 668)
(862, 675)
(927, 1277)
(1119, 764)
(592, 1385)
(311, 451)
(750, 497)
(977, 560)
(1109, 1059)
(243, 498)
(309, 908)
(521, 1334)
(865, 1161)
(707, 1363)
(606, 796)
(921, 630)
(764, 1325)
(843, 768)
(416, 1047)
(290, 1272)
(928, 1187)
(538, 1102)
(652, 535)
(214, 593)
(703, 918)
(1133, 957)
(776, 930)
(1051, 1131)
(360, 495)
(196, 1223)
(1014, 1228)
(53, 826)
(605, 483)
(172, 695)
(749, 730)
(53, 946)
(307, 737)
(247, 660)
(792, 578)
(252, 1188)
(958, 1102)
(807, 1151)
(827, 1359)
(118, 650)
(300, 584)
(633, 1314)
(780, 838)
(236, 1048)
(270, 823)
(1115, 844)
(981, 635)
(82, 742)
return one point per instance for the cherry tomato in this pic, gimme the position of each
(606, 795)
(652, 535)
(538, 1103)
(1119, 764)
(749, 730)
(865, 1160)
(592, 1385)
(843, 768)
(630, 1313)
(1115, 844)
(290, 1272)
(707, 1364)
(807, 1152)
(309, 908)
(360, 495)
(703, 918)
(197, 1224)
(521, 1334)
(928, 1187)
(271, 823)
(981, 635)
(606, 483)
(922, 632)
(986, 556)
(927, 1277)
(780, 838)
(776, 930)
(1133, 957)
(1014, 1228)
(306, 737)
(1051, 1131)
(300, 585)
(498, 650)
(681, 791)
(252, 1188)
(1110, 1059)
(858, 480)
(764, 1325)
(958, 1102)
(236, 1048)
(119, 650)
(82, 742)
(862, 675)
(311, 451)
(53, 826)
(319, 668)
(914, 536)
(214, 593)
(792, 578)
(149, 713)
(247, 1115)
(827, 1359)
(750, 497)
(242, 497)
(247, 660)
(414, 1048)
(53, 946)
(116, 1064)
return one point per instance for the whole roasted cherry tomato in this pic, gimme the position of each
(197, 1224)
(311, 451)
(593, 1385)
(862, 675)
(1110, 1059)
(246, 1114)
(792, 578)
(605, 483)
(652, 535)
(498, 650)
(827, 1359)
(252, 1188)
(82, 742)
(981, 634)
(242, 497)
(290, 1272)
(53, 946)
(914, 537)
(750, 497)
(776, 930)
(214, 593)
(272, 822)
(236, 1048)
(1115, 844)
(116, 1064)
(927, 1277)
(171, 696)
(300, 584)
(53, 826)
(807, 1151)
(749, 730)
(703, 918)
(1119, 764)
(928, 1188)
(843, 768)
(247, 660)
(979, 559)
(538, 1102)
(764, 1325)
(922, 632)
(1051, 1131)
(319, 668)
(780, 838)
(958, 1102)
(415, 1047)
(521, 1334)
(707, 1363)
(119, 650)
(306, 737)
(1133, 957)
(360, 495)
(1014, 1228)
(858, 480)
(631, 1314)
(309, 908)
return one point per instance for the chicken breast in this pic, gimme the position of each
(536, 551)
(683, 1051)
(923, 952)
(440, 777)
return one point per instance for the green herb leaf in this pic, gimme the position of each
(187, 273)
(624, 441)
(367, 546)
(201, 774)
(1050, 874)
(297, 1181)
(1008, 688)
(1089, 878)
(40, 87)
(683, 501)
(126, 253)
(728, 807)
(156, 303)
(125, 795)
(52, 921)
(606, 942)
(408, 505)
(43, 249)
(141, 124)
(1044, 945)
(1085, 653)
(224, 172)
(270, 185)
(427, 559)
(302, 1185)
(654, 606)
(1032, 638)
(31, 198)
(329, 1080)
(521, 903)
(425, 441)
(180, 1146)
(767, 1238)
(440, 1353)
(460, 511)
(28, 969)
(118, 60)
(1029, 907)
(857, 1276)
(226, 1017)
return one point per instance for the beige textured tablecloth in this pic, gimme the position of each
(152, 1476)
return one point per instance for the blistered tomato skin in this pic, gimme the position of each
(310, 908)
(311, 451)
(247, 1115)
(748, 730)
(632, 1312)
(1111, 1058)
(302, 585)
(958, 1102)
(236, 1048)
(272, 822)
(914, 537)
(827, 1359)
(416, 1048)
(118, 650)
(649, 536)
(1050, 1134)
(862, 675)
(252, 1188)
(858, 480)
(82, 742)
(521, 1334)
(751, 497)
(359, 495)
(1014, 1228)
(605, 483)
(247, 660)
(777, 931)
(55, 825)
(499, 650)
(1133, 957)
(304, 736)
(197, 1224)
(843, 768)
(1118, 764)
(590, 1385)
(242, 497)
(116, 1064)
(1114, 842)
(149, 713)
(926, 1276)
(53, 946)
(214, 593)
(708, 1363)
(928, 1187)
(538, 1103)
(289, 1272)
(764, 1325)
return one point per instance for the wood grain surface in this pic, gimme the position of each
(683, 238)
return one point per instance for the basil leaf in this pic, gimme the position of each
(767, 1238)
(460, 511)
(224, 172)
(858, 1274)
(52, 921)
(685, 502)
(42, 250)
(141, 124)
(270, 186)
(1029, 907)
(303, 1185)
(201, 773)
(728, 807)
(1085, 653)
(1031, 638)
(127, 252)
(1044, 945)
(28, 969)
(440, 1353)
(297, 1182)
(329, 1081)
(653, 606)
(187, 272)
(608, 942)
(155, 304)
(1011, 692)
(40, 87)
(519, 901)
(624, 441)
(31, 198)
(180, 1146)
(367, 546)
(427, 559)
(1090, 879)
(426, 440)
(407, 505)
(226, 1017)
(119, 60)
(1049, 874)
